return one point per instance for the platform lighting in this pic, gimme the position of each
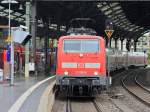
(9, 1)
(20, 7)
(9, 35)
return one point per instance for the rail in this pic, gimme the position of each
(68, 105)
(139, 93)
(96, 106)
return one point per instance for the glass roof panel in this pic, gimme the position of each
(123, 26)
(24, 16)
(12, 16)
(116, 8)
(141, 28)
(128, 23)
(7, 11)
(104, 3)
(123, 20)
(118, 11)
(99, 5)
(105, 8)
(20, 19)
(17, 14)
(131, 29)
(110, 16)
(137, 26)
(54, 25)
(114, 4)
(126, 28)
(3, 14)
(132, 25)
(137, 30)
(108, 12)
(122, 17)
(116, 20)
(40, 25)
(1, 7)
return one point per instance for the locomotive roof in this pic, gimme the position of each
(80, 36)
(81, 30)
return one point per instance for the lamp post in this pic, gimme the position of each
(9, 36)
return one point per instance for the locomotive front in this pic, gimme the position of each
(81, 69)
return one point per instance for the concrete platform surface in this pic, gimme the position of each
(9, 94)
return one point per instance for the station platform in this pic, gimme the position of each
(9, 94)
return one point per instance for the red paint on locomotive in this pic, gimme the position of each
(80, 61)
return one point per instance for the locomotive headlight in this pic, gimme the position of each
(95, 73)
(66, 73)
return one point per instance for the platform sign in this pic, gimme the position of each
(109, 33)
(21, 37)
(8, 39)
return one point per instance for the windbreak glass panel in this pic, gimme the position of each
(84, 46)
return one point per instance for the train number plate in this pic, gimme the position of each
(81, 65)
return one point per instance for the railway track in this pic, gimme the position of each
(101, 103)
(141, 85)
(71, 106)
(140, 92)
(96, 106)
(68, 105)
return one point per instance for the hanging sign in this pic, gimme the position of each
(109, 33)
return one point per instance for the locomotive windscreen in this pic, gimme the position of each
(83, 46)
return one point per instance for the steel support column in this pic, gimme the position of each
(27, 45)
(46, 28)
(33, 30)
(128, 45)
(121, 44)
(110, 42)
(135, 46)
(116, 43)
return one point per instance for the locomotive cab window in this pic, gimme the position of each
(84, 46)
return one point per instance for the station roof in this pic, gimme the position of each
(130, 19)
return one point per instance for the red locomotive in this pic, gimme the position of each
(81, 63)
